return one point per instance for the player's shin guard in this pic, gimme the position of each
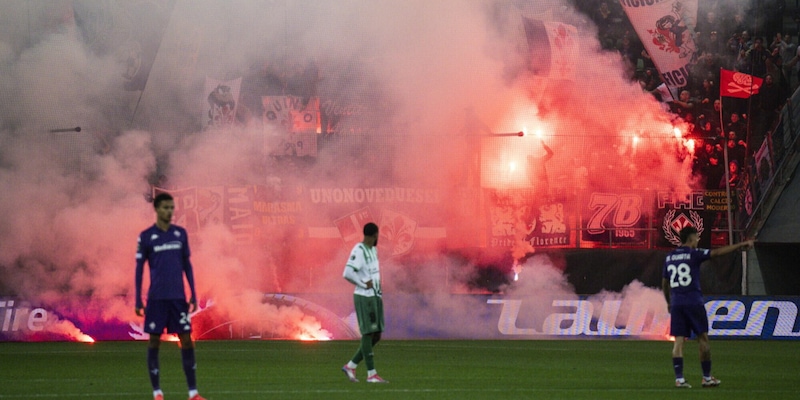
(152, 367)
(189, 367)
(677, 364)
(366, 351)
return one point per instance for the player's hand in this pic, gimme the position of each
(139, 311)
(192, 305)
(748, 244)
(369, 284)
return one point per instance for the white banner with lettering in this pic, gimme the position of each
(665, 28)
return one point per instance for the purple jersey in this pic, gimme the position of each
(167, 253)
(682, 270)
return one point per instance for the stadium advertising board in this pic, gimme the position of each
(427, 316)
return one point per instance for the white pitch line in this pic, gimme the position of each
(384, 388)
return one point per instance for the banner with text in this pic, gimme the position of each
(291, 124)
(520, 220)
(665, 28)
(615, 218)
(425, 316)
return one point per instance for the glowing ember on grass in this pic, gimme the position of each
(307, 337)
(85, 338)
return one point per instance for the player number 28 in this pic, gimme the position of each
(680, 275)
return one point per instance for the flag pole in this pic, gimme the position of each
(727, 169)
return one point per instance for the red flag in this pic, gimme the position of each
(737, 84)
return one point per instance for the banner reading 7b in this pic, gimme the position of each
(614, 218)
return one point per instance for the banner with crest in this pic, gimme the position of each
(676, 211)
(221, 99)
(521, 221)
(665, 28)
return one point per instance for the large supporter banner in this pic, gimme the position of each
(615, 218)
(704, 210)
(428, 316)
(251, 212)
(519, 217)
(295, 120)
(407, 217)
(665, 28)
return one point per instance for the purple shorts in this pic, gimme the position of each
(688, 319)
(170, 314)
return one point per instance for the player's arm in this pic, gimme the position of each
(140, 258)
(354, 264)
(351, 275)
(731, 248)
(189, 271)
(665, 288)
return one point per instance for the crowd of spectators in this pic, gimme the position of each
(734, 35)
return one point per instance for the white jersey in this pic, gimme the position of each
(363, 262)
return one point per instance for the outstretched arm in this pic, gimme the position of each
(747, 244)
(548, 150)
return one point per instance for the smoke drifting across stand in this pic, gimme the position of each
(74, 203)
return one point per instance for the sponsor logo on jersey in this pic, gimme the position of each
(167, 246)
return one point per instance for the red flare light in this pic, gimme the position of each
(690, 145)
(85, 338)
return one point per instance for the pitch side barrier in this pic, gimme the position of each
(432, 316)
(588, 318)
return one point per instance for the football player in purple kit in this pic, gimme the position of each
(165, 247)
(681, 285)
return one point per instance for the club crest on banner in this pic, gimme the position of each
(398, 231)
(673, 224)
(671, 33)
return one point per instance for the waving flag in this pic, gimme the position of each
(737, 84)
(665, 27)
(553, 48)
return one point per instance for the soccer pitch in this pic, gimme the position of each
(242, 370)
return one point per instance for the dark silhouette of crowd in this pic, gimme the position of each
(735, 35)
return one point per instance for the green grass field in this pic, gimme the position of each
(244, 370)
